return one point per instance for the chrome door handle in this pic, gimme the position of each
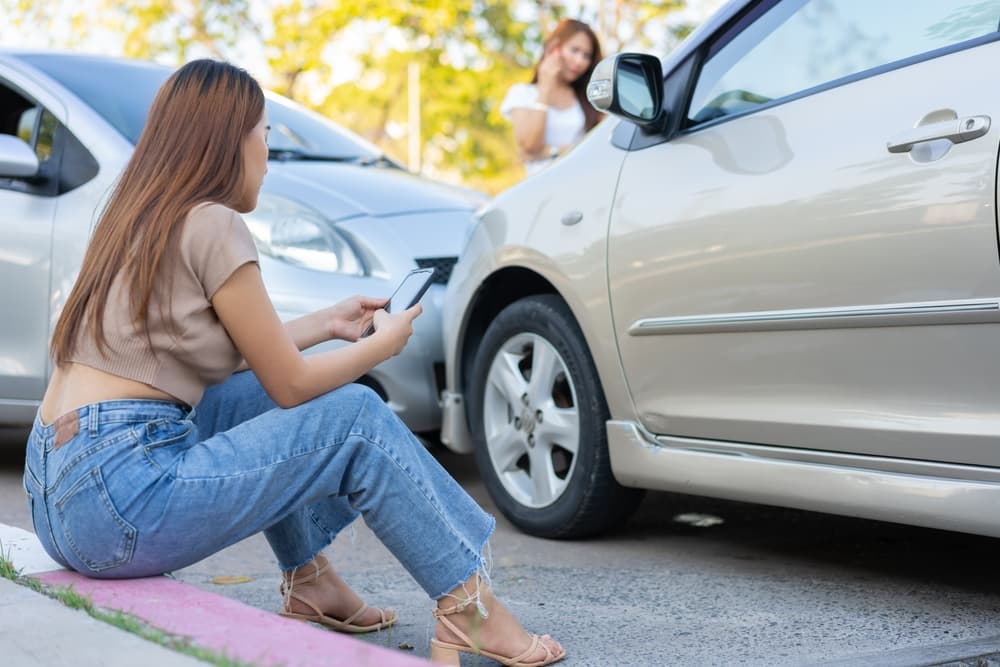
(957, 130)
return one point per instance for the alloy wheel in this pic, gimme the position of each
(531, 421)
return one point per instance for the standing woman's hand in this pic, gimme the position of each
(348, 319)
(549, 75)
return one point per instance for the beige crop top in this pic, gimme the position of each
(197, 351)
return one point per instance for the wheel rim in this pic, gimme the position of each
(531, 421)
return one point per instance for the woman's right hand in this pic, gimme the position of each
(394, 329)
(549, 73)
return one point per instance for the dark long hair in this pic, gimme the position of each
(563, 32)
(190, 152)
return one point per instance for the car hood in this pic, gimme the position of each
(342, 190)
(398, 240)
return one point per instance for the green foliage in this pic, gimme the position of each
(349, 59)
(7, 570)
(154, 28)
(468, 53)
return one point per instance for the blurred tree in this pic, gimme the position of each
(349, 59)
(621, 24)
(179, 28)
(171, 30)
(468, 52)
(635, 25)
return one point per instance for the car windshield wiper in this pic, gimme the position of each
(295, 154)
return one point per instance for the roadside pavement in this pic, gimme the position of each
(768, 587)
(38, 631)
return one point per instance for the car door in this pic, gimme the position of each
(804, 264)
(27, 210)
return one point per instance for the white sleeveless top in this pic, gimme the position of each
(563, 127)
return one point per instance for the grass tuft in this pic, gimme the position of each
(7, 570)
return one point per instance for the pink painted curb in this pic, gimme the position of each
(229, 627)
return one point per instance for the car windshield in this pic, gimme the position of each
(122, 91)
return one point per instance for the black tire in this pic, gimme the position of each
(590, 500)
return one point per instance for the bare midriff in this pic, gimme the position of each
(74, 385)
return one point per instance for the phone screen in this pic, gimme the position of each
(407, 293)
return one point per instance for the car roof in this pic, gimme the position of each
(31, 56)
(72, 70)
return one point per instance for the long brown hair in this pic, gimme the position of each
(563, 32)
(190, 152)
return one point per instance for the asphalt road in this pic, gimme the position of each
(763, 586)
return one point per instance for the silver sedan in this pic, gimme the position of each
(336, 217)
(770, 275)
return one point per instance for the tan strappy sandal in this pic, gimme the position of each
(446, 653)
(288, 583)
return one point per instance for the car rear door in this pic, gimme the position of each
(27, 210)
(805, 265)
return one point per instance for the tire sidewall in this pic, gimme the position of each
(548, 317)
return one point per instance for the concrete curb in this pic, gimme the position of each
(36, 630)
(211, 621)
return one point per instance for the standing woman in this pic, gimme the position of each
(149, 452)
(552, 113)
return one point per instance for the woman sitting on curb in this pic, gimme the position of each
(149, 453)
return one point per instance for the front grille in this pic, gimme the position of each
(442, 267)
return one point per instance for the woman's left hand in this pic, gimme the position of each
(348, 319)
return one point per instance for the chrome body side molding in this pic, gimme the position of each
(892, 315)
(942, 496)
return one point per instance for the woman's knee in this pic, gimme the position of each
(350, 398)
(360, 398)
(373, 419)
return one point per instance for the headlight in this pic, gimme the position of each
(298, 234)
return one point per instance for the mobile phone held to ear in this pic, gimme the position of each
(407, 294)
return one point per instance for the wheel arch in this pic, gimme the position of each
(497, 292)
(591, 500)
(512, 283)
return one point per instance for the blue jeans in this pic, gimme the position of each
(138, 487)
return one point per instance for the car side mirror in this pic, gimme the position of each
(630, 85)
(17, 160)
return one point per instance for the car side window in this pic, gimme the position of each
(796, 45)
(28, 121)
(64, 163)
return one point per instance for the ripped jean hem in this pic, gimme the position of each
(483, 566)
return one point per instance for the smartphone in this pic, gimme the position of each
(407, 293)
